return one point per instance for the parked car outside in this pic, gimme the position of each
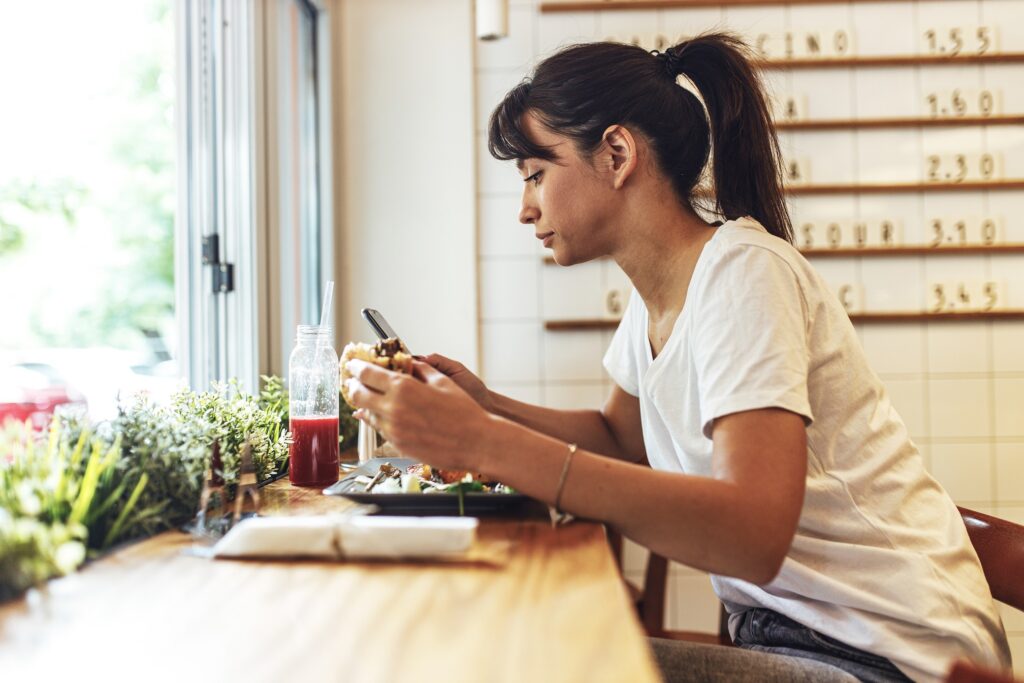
(32, 392)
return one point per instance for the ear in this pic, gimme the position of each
(620, 152)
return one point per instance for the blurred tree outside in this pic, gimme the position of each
(87, 178)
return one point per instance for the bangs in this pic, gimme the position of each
(506, 139)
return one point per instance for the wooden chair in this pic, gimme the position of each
(1000, 547)
(962, 672)
(998, 542)
(649, 601)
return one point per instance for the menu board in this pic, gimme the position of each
(893, 151)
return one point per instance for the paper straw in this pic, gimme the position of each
(325, 313)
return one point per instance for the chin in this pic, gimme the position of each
(561, 258)
(564, 257)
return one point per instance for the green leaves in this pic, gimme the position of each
(462, 488)
(115, 530)
(97, 465)
(11, 237)
(32, 551)
(81, 487)
(43, 502)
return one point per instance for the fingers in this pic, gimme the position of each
(442, 363)
(377, 388)
(427, 372)
(372, 376)
(373, 419)
(363, 397)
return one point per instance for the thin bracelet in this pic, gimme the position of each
(561, 479)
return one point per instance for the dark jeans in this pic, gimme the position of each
(772, 649)
(766, 631)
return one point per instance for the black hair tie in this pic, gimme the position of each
(671, 61)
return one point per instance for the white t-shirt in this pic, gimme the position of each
(881, 559)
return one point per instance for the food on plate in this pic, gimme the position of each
(425, 479)
(386, 353)
(446, 476)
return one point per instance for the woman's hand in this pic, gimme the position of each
(465, 379)
(425, 415)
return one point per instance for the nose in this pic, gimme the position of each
(528, 214)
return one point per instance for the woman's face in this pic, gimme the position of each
(567, 200)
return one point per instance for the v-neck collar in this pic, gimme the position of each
(675, 334)
(651, 358)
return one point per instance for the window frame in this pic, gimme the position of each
(282, 288)
(230, 186)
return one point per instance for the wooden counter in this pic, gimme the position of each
(553, 610)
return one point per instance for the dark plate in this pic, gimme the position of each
(473, 503)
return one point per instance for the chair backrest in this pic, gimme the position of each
(1000, 547)
(965, 672)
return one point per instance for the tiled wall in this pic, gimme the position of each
(959, 386)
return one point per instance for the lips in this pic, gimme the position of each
(545, 237)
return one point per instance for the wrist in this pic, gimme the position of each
(498, 405)
(490, 402)
(487, 441)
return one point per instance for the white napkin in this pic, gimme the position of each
(343, 537)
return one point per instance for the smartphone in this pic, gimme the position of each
(381, 326)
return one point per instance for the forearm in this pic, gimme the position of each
(586, 428)
(706, 523)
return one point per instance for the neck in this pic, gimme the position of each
(659, 257)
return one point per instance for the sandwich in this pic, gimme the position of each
(387, 353)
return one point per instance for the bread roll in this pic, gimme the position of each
(387, 353)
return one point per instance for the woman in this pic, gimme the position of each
(746, 435)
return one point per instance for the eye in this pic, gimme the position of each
(535, 178)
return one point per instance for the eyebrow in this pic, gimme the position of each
(520, 163)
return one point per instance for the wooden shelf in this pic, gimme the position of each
(611, 5)
(579, 325)
(894, 188)
(886, 188)
(900, 250)
(865, 317)
(915, 250)
(931, 122)
(911, 316)
(891, 60)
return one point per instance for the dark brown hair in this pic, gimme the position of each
(581, 90)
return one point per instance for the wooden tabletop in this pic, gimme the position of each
(552, 609)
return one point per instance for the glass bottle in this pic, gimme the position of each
(313, 407)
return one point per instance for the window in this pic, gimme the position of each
(164, 213)
(87, 204)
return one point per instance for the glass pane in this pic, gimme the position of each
(87, 204)
(298, 149)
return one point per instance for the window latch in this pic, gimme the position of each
(223, 273)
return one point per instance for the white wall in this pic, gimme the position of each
(404, 163)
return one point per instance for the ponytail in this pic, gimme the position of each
(746, 160)
(581, 90)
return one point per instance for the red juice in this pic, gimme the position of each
(313, 454)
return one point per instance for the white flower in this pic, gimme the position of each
(69, 555)
(28, 501)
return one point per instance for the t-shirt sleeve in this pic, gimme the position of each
(620, 360)
(749, 341)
